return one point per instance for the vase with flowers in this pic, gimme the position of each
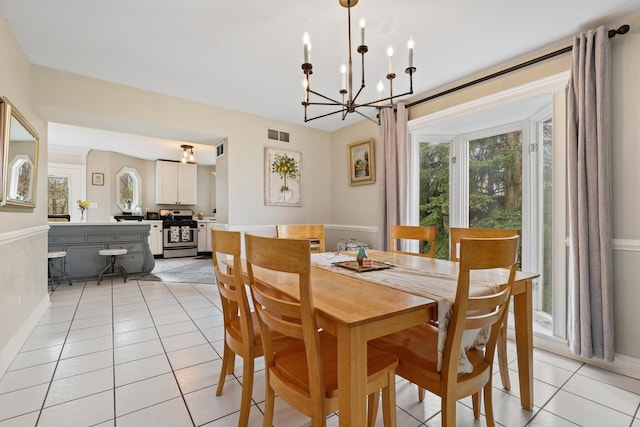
(83, 205)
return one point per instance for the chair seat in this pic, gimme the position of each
(108, 252)
(291, 363)
(56, 254)
(278, 340)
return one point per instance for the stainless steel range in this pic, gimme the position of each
(180, 233)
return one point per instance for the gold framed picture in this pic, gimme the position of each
(362, 168)
(97, 178)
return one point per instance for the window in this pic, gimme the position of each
(128, 185)
(499, 163)
(58, 188)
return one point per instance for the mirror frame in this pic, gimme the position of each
(7, 112)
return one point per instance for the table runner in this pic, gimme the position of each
(439, 287)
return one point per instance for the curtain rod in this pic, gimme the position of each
(623, 29)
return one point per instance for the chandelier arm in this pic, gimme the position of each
(324, 115)
(325, 97)
(366, 117)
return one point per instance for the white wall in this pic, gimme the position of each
(71, 99)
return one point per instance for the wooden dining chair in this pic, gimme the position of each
(242, 335)
(304, 374)
(413, 232)
(457, 233)
(417, 347)
(312, 232)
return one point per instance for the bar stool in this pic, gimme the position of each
(62, 273)
(113, 264)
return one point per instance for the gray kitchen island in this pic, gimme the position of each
(82, 241)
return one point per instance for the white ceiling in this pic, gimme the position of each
(247, 55)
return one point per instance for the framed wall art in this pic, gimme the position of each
(282, 174)
(97, 178)
(361, 163)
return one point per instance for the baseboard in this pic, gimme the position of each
(622, 364)
(15, 343)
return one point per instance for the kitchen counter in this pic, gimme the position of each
(82, 241)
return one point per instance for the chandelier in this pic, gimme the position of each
(187, 154)
(349, 103)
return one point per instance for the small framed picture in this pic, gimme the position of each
(361, 163)
(97, 178)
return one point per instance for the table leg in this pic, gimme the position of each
(352, 376)
(523, 319)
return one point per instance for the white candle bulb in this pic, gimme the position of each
(390, 54)
(410, 46)
(305, 84)
(362, 24)
(343, 71)
(307, 46)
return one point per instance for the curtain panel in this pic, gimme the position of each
(589, 162)
(392, 159)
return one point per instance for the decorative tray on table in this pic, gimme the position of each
(353, 265)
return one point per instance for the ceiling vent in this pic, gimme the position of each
(277, 135)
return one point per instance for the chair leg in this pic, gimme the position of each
(269, 405)
(488, 404)
(104, 270)
(372, 408)
(448, 411)
(502, 357)
(122, 270)
(476, 400)
(227, 355)
(420, 394)
(247, 389)
(389, 401)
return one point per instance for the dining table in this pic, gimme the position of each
(355, 309)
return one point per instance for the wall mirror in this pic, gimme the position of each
(20, 158)
(128, 193)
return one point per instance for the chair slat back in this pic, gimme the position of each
(479, 312)
(233, 295)
(457, 233)
(277, 312)
(413, 232)
(312, 232)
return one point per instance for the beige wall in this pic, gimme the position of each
(23, 235)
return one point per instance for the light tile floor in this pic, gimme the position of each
(148, 354)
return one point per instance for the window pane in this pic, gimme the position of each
(58, 188)
(495, 181)
(547, 218)
(126, 189)
(434, 192)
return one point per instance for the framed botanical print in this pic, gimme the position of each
(361, 163)
(282, 174)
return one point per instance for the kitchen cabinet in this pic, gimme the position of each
(176, 183)
(203, 237)
(82, 242)
(155, 237)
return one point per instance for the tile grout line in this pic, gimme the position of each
(173, 372)
(113, 358)
(84, 284)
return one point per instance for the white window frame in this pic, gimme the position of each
(76, 176)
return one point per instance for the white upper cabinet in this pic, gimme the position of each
(176, 183)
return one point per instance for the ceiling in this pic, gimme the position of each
(247, 56)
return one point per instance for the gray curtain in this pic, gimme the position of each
(589, 162)
(392, 159)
